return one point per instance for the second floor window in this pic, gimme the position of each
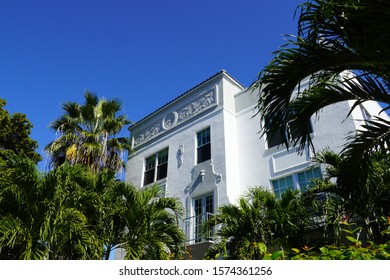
(162, 164)
(156, 167)
(203, 145)
(279, 136)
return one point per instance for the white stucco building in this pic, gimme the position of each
(204, 147)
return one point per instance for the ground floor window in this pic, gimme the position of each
(305, 178)
(282, 184)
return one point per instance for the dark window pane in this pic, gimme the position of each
(150, 163)
(162, 171)
(162, 156)
(198, 206)
(275, 139)
(295, 131)
(149, 177)
(203, 137)
(161, 161)
(209, 204)
(204, 147)
(162, 165)
(204, 153)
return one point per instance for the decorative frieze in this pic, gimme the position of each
(197, 106)
(177, 117)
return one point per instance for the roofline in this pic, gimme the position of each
(222, 72)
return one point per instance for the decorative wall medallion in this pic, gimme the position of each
(169, 120)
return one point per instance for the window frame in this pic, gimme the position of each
(277, 139)
(280, 189)
(162, 164)
(160, 170)
(297, 183)
(203, 145)
(206, 208)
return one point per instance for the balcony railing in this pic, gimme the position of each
(194, 230)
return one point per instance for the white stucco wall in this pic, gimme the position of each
(239, 157)
(183, 180)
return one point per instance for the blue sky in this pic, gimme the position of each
(145, 53)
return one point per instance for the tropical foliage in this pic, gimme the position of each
(79, 209)
(365, 204)
(353, 251)
(342, 48)
(15, 130)
(87, 134)
(259, 220)
(74, 213)
(39, 219)
(151, 222)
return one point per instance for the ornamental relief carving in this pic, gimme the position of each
(170, 120)
(196, 106)
(176, 117)
(148, 134)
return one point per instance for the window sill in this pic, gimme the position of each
(204, 162)
(282, 147)
(159, 182)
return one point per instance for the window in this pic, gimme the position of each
(156, 167)
(275, 139)
(203, 145)
(162, 164)
(150, 167)
(203, 208)
(305, 178)
(282, 184)
(280, 136)
(299, 181)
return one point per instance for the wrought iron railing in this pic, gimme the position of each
(195, 230)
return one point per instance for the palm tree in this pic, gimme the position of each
(152, 224)
(259, 221)
(73, 208)
(342, 47)
(366, 203)
(43, 216)
(20, 214)
(87, 134)
(73, 213)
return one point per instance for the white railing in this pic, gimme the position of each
(194, 230)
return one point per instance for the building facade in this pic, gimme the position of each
(204, 148)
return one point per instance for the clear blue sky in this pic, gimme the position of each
(145, 53)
